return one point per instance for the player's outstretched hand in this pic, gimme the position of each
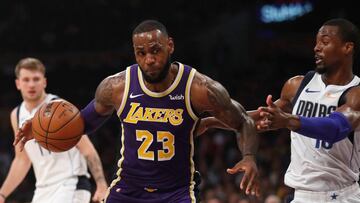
(23, 135)
(272, 116)
(250, 178)
(100, 192)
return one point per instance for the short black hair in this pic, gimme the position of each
(348, 32)
(150, 25)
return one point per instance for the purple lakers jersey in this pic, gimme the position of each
(157, 133)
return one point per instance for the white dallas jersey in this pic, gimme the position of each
(316, 165)
(51, 167)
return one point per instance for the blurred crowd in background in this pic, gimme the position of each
(82, 42)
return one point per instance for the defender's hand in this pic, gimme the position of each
(23, 135)
(249, 181)
(100, 193)
(273, 117)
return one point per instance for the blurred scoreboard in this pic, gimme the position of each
(282, 10)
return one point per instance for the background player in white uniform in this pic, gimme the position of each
(322, 110)
(60, 177)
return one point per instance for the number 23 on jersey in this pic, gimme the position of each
(147, 138)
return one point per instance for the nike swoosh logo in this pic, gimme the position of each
(311, 91)
(134, 96)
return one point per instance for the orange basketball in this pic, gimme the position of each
(57, 125)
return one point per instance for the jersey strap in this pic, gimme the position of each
(18, 114)
(309, 75)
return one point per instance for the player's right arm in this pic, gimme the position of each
(332, 128)
(108, 97)
(109, 94)
(20, 165)
(208, 95)
(210, 122)
(283, 105)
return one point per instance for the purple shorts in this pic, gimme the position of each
(121, 193)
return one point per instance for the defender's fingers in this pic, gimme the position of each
(268, 109)
(234, 170)
(18, 137)
(245, 180)
(22, 144)
(269, 101)
(250, 185)
(266, 114)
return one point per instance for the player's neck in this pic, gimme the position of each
(32, 104)
(166, 83)
(339, 77)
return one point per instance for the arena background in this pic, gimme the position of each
(251, 47)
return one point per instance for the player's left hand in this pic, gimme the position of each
(100, 193)
(250, 179)
(24, 134)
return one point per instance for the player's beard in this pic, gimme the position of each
(321, 69)
(162, 75)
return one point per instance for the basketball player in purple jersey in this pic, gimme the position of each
(158, 102)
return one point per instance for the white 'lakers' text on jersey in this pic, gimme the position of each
(315, 164)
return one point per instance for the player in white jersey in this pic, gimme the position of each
(60, 177)
(322, 110)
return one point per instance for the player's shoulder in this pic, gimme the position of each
(120, 76)
(353, 92)
(200, 84)
(14, 111)
(115, 80)
(352, 97)
(200, 78)
(297, 79)
(13, 116)
(293, 83)
(111, 87)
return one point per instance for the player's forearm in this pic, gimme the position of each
(292, 122)
(92, 119)
(15, 176)
(96, 169)
(212, 122)
(332, 129)
(247, 138)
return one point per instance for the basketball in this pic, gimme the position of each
(57, 125)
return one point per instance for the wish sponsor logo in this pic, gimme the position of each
(177, 97)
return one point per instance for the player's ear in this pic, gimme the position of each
(171, 45)
(17, 83)
(349, 47)
(45, 82)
